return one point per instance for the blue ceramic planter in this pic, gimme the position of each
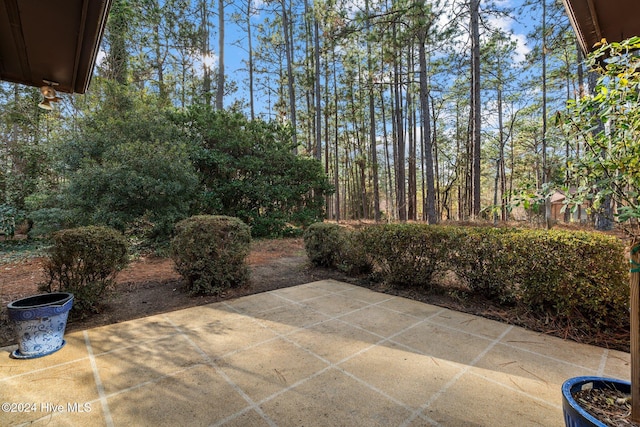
(39, 323)
(574, 415)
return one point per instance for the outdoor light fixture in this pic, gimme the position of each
(48, 94)
(45, 104)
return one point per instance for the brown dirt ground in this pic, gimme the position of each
(150, 285)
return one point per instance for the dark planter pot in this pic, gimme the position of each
(574, 415)
(39, 323)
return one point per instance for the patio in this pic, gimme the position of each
(320, 354)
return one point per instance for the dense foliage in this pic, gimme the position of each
(482, 259)
(369, 92)
(323, 243)
(248, 169)
(210, 252)
(575, 278)
(608, 124)
(129, 163)
(140, 169)
(404, 254)
(85, 261)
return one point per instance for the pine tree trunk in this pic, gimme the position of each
(336, 155)
(476, 121)
(426, 131)
(401, 195)
(290, 77)
(250, 49)
(318, 106)
(220, 84)
(372, 125)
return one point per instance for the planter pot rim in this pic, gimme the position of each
(572, 409)
(40, 300)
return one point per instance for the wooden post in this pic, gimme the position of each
(634, 291)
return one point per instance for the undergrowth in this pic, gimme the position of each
(17, 250)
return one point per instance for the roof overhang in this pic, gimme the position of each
(594, 20)
(56, 41)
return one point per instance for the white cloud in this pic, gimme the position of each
(506, 24)
(521, 48)
(100, 57)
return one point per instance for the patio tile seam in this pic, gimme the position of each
(34, 371)
(231, 417)
(419, 413)
(600, 370)
(98, 381)
(393, 297)
(391, 337)
(154, 380)
(137, 344)
(466, 331)
(339, 318)
(368, 304)
(555, 359)
(383, 338)
(294, 385)
(553, 404)
(311, 325)
(414, 412)
(336, 365)
(249, 347)
(326, 293)
(340, 293)
(603, 363)
(330, 365)
(220, 371)
(108, 396)
(459, 375)
(277, 293)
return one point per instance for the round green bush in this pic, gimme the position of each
(323, 243)
(210, 252)
(85, 261)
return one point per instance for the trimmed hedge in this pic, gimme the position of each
(85, 262)
(483, 259)
(575, 275)
(210, 252)
(324, 244)
(405, 254)
(578, 278)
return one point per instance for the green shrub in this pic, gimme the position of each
(139, 180)
(482, 259)
(210, 252)
(354, 258)
(248, 169)
(405, 254)
(577, 279)
(85, 261)
(578, 276)
(49, 220)
(324, 243)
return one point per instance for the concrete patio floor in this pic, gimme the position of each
(320, 354)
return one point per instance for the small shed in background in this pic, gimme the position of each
(557, 203)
